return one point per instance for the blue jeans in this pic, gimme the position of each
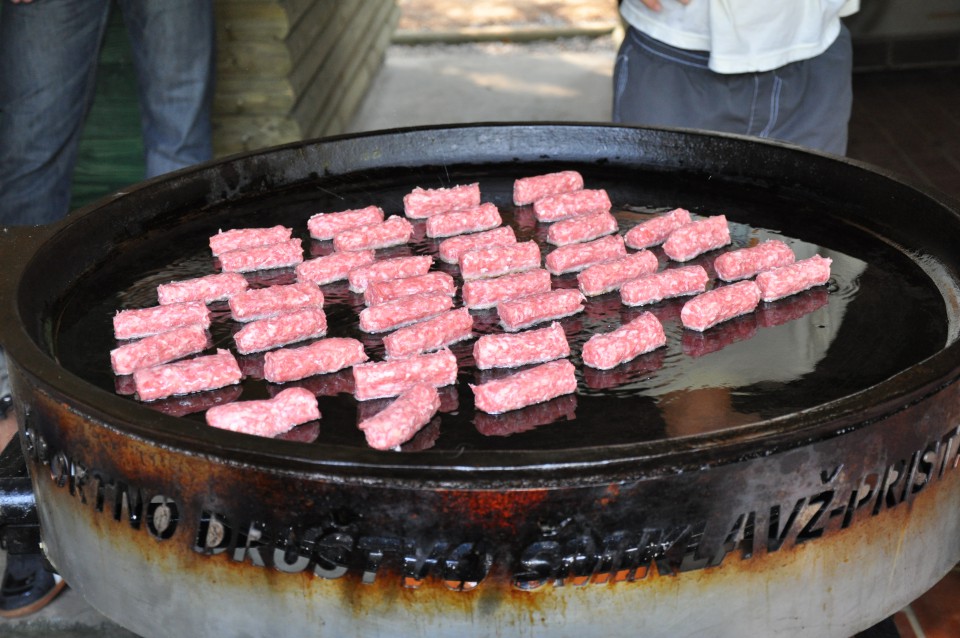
(806, 102)
(49, 52)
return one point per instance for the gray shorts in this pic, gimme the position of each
(806, 102)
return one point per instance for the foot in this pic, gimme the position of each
(27, 586)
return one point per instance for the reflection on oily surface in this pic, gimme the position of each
(779, 312)
(629, 372)
(199, 402)
(691, 412)
(697, 344)
(562, 408)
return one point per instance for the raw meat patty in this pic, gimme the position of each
(536, 385)
(748, 262)
(720, 304)
(487, 293)
(422, 203)
(524, 312)
(188, 376)
(696, 238)
(376, 380)
(466, 220)
(266, 417)
(321, 357)
(527, 190)
(403, 418)
(608, 350)
(451, 248)
(655, 231)
(789, 280)
(239, 238)
(582, 228)
(207, 289)
(143, 322)
(325, 225)
(673, 282)
(496, 261)
(378, 292)
(271, 301)
(397, 313)
(431, 334)
(393, 268)
(565, 205)
(281, 330)
(159, 348)
(393, 231)
(334, 267)
(279, 255)
(576, 257)
(521, 348)
(610, 275)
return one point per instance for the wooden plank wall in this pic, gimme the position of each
(294, 69)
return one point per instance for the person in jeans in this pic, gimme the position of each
(778, 69)
(50, 53)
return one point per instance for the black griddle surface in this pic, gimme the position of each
(879, 315)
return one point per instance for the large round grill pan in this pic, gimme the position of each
(824, 391)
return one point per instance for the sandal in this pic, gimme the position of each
(27, 585)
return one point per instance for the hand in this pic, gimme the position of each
(653, 5)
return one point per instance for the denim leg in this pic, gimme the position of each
(174, 55)
(49, 51)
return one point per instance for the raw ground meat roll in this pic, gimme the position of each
(208, 289)
(397, 313)
(199, 374)
(487, 293)
(280, 255)
(576, 257)
(325, 225)
(240, 238)
(431, 334)
(496, 261)
(271, 301)
(608, 350)
(748, 262)
(536, 385)
(720, 304)
(321, 357)
(583, 228)
(402, 419)
(393, 231)
(393, 268)
(159, 348)
(666, 284)
(143, 322)
(789, 280)
(521, 348)
(567, 205)
(528, 311)
(467, 220)
(451, 248)
(378, 292)
(527, 190)
(335, 267)
(655, 231)
(610, 275)
(266, 417)
(264, 334)
(422, 203)
(697, 237)
(379, 379)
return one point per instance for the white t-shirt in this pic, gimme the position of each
(744, 36)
